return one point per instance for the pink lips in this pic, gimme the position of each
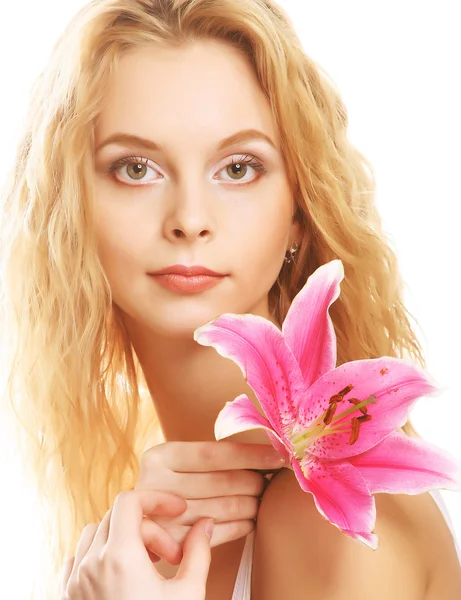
(187, 280)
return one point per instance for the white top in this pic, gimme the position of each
(242, 589)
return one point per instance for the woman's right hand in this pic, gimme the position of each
(218, 479)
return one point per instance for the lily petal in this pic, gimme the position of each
(241, 415)
(267, 363)
(341, 496)
(403, 465)
(369, 539)
(308, 329)
(396, 385)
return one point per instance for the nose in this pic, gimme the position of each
(188, 217)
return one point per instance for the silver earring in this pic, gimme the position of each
(290, 254)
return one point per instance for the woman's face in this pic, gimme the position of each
(179, 200)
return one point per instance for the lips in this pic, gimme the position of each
(187, 280)
(187, 271)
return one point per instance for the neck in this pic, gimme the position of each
(189, 385)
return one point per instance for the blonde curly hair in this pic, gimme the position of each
(72, 387)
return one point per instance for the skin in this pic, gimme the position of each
(192, 208)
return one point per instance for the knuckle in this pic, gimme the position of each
(234, 507)
(86, 569)
(158, 455)
(123, 497)
(114, 561)
(89, 529)
(227, 482)
(151, 456)
(243, 507)
(207, 452)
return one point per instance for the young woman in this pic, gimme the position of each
(183, 159)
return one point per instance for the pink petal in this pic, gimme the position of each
(403, 465)
(270, 368)
(395, 383)
(308, 329)
(369, 539)
(241, 415)
(340, 495)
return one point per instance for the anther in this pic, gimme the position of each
(346, 390)
(335, 398)
(356, 422)
(354, 431)
(330, 413)
(364, 419)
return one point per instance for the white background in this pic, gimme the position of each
(397, 67)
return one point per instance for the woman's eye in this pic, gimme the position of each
(136, 169)
(239, 167)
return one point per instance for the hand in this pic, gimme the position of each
(112, 563)
(216, 480)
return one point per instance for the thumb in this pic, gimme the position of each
(196, 557)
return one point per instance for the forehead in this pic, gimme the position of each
(206, 88)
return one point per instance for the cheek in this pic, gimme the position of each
(262, 245)
(267, 254)
(119, 245)
(271, 228)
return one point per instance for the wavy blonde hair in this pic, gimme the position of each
(73, 389)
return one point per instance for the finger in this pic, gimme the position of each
(84, 543)
(223, 532)
(196, 560)
(229, 532)
(160, 543)
(219, 455)
(155, 558)
(222, 509)
(66, 571)
(129, 509)
(101, 535)
(217, 483)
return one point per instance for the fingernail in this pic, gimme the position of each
(209, 528)
(274, 458)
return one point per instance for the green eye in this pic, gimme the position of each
(136, 171)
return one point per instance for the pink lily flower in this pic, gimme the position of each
(336, 426)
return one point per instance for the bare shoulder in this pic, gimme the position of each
(436, 546)
(296, 548)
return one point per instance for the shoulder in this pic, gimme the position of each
(436, 546)
(296, 548)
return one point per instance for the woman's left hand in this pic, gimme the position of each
(112, 563)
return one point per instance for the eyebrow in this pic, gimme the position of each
(135, 140)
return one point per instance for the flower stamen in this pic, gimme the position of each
(346, 390)
(321, 426)
(330, 413)
(370, 400)
(355, 401)
(356, 422)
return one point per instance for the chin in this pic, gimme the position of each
(181, 323)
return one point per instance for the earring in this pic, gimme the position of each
(290, 254)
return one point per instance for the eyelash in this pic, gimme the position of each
(247, 159)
